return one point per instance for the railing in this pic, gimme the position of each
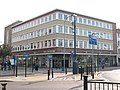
(100, 85)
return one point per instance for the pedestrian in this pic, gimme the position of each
(5, 66)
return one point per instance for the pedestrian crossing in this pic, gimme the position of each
(66, 78)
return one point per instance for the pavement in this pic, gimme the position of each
(43, 76)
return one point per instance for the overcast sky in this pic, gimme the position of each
(13, 10)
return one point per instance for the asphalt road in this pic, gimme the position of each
(112, 75)
(44, 85)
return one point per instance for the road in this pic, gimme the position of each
(44, 85)
(112, 75)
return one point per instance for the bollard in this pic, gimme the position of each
(3, 86)
(48, 74)
(92, 75)
(86, 70)
(52, 72)
(85, 83)
(65, 70)
(81, 72)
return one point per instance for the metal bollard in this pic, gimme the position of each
(65, 70)
(85, 83)
(52, 73)
(81, 72)
(48, 74)
(3, 86)
(92, 75)
(86, 70)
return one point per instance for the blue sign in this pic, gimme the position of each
(26, 55)
(50, 56)
(92, 40)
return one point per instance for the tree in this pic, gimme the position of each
(5, 50)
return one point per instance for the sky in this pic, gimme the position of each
(13, 10)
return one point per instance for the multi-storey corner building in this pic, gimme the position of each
(45, 34)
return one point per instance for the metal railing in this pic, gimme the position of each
(100, 85)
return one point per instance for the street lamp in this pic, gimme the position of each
(74, 62)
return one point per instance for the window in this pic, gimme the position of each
(45, 30)
(70, 19)
(70, 43)
(66, 29)
(97, 24)
(100, 24)
(85, 32)
(108, 46)
(84, 21)
(45, 43)
(60, 42)
(45, 19)
(80, 32)
(49, 43)
(89, 22)
(104, 25)
(60, 16)
(70, 30)
(54, 29)
(49, 30)
(54, 42)
(31, 45)
(54, 16)
(34, 45)
(38, 45)
(41, 44)
(42, 33)
(38, 33)
(60, 29)
(93, 23)
(42, 20)
(49, 17)
(85, 44)
(80, 44)
(66, 43)
(80, 20)
(65, 17)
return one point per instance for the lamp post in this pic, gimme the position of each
(74, 62)
(64, 41)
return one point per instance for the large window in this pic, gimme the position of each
(66, 43)
(60, 28)
(80, 44)
(80, 20)
(60, 42)
(60, 16)
(66, 29)
(54, 42)
(71, 43)
(54, 16)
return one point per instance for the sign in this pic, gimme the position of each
(26, 55)
(92, 40)
(13, 61)
(50, 56)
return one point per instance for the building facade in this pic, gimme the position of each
(118, 46)
(52, 34)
